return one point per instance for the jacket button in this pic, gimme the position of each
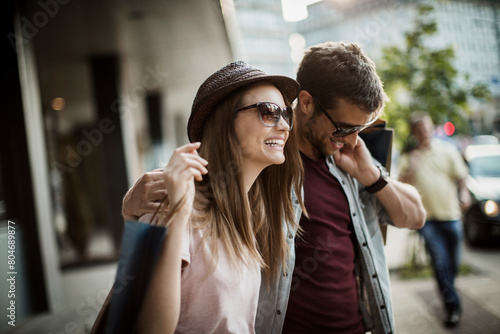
(278, 312)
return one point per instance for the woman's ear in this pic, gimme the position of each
(306, 103)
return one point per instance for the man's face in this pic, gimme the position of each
(423, 131)
(318, 129)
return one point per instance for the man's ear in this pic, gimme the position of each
(306, 103)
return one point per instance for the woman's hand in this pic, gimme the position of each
(184, 167)
(161, 307)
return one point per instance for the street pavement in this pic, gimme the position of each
(418, 309)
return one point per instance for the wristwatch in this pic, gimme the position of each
(381, 182)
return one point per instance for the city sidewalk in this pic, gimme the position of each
(416, 304)
(85, 289)
(418, 309)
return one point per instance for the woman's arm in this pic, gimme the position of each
(161, 307)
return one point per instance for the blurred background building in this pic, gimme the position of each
(264, 35)
(96, 93)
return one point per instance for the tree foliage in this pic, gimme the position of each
(418, 78)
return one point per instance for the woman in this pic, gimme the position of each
(227, 226)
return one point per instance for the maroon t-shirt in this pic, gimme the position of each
(323, 296)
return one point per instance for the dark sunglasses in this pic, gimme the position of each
(343, 131)
(270, 113)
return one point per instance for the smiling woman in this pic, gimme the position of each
(229, 192)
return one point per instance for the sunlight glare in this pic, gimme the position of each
(295, 10)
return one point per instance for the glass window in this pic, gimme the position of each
(485, 166)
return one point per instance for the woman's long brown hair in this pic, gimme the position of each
(250, 226)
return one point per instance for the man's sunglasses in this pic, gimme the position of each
(270, 113)
(343, 131)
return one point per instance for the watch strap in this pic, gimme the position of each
(380, 183)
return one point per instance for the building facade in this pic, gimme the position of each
(94, 94)
(264, 35)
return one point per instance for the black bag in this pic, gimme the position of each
(141, 244)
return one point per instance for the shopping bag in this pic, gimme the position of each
(141, 244)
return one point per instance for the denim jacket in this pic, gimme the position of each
(371, 269)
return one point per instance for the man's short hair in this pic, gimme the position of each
(338, 70)
(417, 117)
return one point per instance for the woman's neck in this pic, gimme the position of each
(249, 175)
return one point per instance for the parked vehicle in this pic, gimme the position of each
(482, 220)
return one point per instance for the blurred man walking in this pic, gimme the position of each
(438, 172)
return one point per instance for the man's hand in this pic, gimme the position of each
(401, 201)
(144, 196)
(357, 162)
(463, 195)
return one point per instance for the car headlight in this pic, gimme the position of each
(490, 208)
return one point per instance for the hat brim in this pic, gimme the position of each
(287, 86)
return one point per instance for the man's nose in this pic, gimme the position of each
(351, 140)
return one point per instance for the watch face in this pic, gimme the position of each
(383, 172)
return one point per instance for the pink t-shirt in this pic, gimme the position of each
(225, 301)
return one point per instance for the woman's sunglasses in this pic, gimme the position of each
(270, 113)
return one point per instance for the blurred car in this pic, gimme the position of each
(482, 220)
(485, 140)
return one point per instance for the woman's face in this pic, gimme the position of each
(261, 145)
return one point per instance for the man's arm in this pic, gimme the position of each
(403, 204)
(144, 196)
(463, 195)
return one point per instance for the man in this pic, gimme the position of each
(340, 278)
(438, 172)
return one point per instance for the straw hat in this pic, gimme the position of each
(224, 82)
